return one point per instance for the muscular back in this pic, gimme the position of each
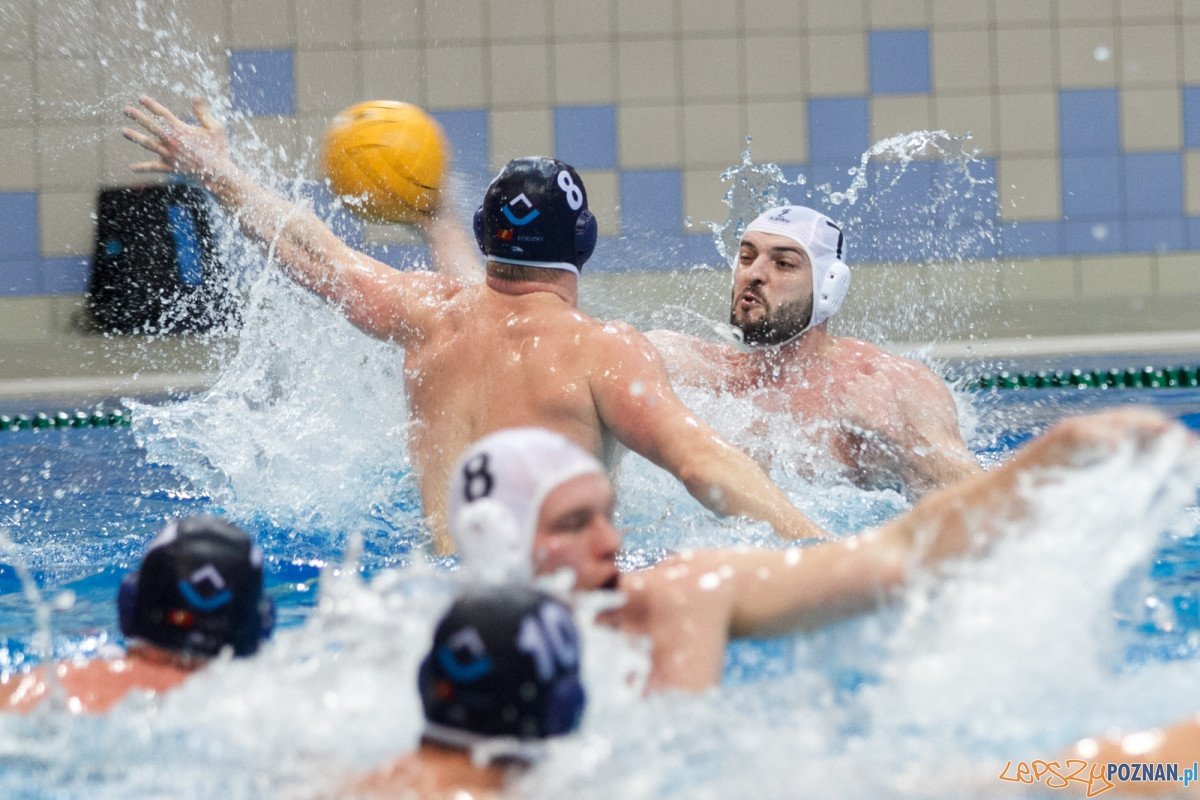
(487, 361)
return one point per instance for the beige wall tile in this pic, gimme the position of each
(24, 319)
(520, 75)
(1190, 33)
(1088, 12)
(1149, 55)
(1116, 276)
(837, 15)
(1087, 56)
(69, 156)
(778, 130)
(713, 134)
(837, 64)
(892, 115)
(1030, 189)
(260, 24)
(528, 20)
(66, 223)
(1024, 58)
(646, 17)
(326, 81)
(767, 16)
(273, 145)
(584, 73)
(16, 29)
(961, 59)
(519, 133)
(961, 14)
(1028, 123)
(69, 91)
(702, 197)
(1151, 119)
(710, 69)
(394, 73)
(897, 13)
(116, 154)
(603, 199)
(207, 21)
(65, 28)
(1177, 273)
(1189, 11)
(390, 22)
(454, 21)
(961, 114)
(775, 66)
(1047, 278)
(647, 70)
(591, 19)
(708, 16)
(649, 137)
(18, 154)
(16, 92)
(1192, 181)
(1148, 10)
(320, 22)
(456, 76)
(1021, 12)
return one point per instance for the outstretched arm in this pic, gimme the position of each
(373, 296)
(635, 401)
(453, 250)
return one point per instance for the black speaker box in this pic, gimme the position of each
(155, 268)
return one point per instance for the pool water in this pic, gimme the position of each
(357, 593)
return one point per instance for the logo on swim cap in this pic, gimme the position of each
(535, 213)
(199, 589)
(504, 663)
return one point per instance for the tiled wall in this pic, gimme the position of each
(1086, 113)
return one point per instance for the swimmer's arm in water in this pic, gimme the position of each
(634, 400)
(1173, 744)
(907, 424)
(376, 298)
(690, 361)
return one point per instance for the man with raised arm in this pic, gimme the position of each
(479, 357)
(889, 421)
(537, 493)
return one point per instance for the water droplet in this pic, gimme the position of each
(1099, 232)
(1102, 53)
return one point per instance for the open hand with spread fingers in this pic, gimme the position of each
(199, 151)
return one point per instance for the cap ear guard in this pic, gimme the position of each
(127, 602)
(585, 236)
(564, 706)
(832, 292)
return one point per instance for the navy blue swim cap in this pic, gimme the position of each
(199, 590)
(535, 213)
(504, 663)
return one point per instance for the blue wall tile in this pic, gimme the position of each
(469, 133)
(586, 136)
(1192, 225)
(346, 225)
(837, 129)
(66, 275)
(651, 202)
(1100, 236)
(896, 194)
(19, 225)
(1031, 239)
(400, 256)
(899, 61)
(824, 179)
(1153, 184)
(1089, 122)
(1155, 235)
(1091, 187)
(262, 82)
(21, 277)
(1191, 117)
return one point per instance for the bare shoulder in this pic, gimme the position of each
(864, 358)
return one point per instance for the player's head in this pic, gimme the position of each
(535, 214)
(502, 672)
(199, 590)
(529, 499)
(788, 276)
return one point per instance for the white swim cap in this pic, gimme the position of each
(821, 238)
(510, 472)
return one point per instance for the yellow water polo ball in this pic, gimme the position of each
(385, 159)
